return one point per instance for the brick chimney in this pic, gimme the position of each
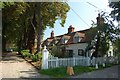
(70, 29)
(52, 34)
(100, 20)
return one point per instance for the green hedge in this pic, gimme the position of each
(36, 57)
(25, 53)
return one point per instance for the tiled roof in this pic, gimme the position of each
(69, 37)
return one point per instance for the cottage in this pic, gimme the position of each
(74, 43)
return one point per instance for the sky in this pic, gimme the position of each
(84, 10)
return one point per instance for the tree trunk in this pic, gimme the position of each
(19, 45)
(40, 27)
(3, 44)
(39, 38)
(31, 36)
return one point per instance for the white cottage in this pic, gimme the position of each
(75, 43)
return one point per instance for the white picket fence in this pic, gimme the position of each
(101, 60)
(54, 62)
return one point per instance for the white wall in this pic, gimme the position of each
(75, 47)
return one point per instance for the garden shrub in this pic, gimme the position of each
(25, 53)
(39, 55)
(35, 58)
(58, 51)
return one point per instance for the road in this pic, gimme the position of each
(111, 72)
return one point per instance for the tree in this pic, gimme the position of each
(103, 34)
(117, 44)
(57, 51)
(11, 20)
(115, 13)
(47, 13)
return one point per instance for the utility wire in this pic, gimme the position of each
(93, 5)
(78, 15)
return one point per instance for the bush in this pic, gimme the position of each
(35, 58)
(39, 55)
(25, 53)
(57, 51)
(15, 49)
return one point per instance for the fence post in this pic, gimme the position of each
(45, 58)
(93, 61)
(57, 62)
(96, 66)
(88, 61)
(73, 61)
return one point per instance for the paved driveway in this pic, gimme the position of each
(15, 67)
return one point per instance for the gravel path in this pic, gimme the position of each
(15, 67)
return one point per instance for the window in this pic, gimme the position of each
(70, 53)
(81, 52)
(56, 41)
(64, 41)
(76, 39)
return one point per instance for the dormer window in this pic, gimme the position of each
(64, 40)
(76, 39)
(56, 42)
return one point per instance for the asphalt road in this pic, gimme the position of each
(111, 72)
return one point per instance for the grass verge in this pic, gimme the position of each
(61, 72)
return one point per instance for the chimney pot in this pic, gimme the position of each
(100, 20)
(52, 34)
(70, 29)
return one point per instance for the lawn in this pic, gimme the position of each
(61, 72)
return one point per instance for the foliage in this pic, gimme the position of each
(104, 46)
(56, 72)
(36, 57)
(117, 44)
(15, 20)
(12, 22)
(103, 34)
(47, 13)
(115, 13)
(15, 49)
(25, 53)
(62, 71)
(56, 51)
